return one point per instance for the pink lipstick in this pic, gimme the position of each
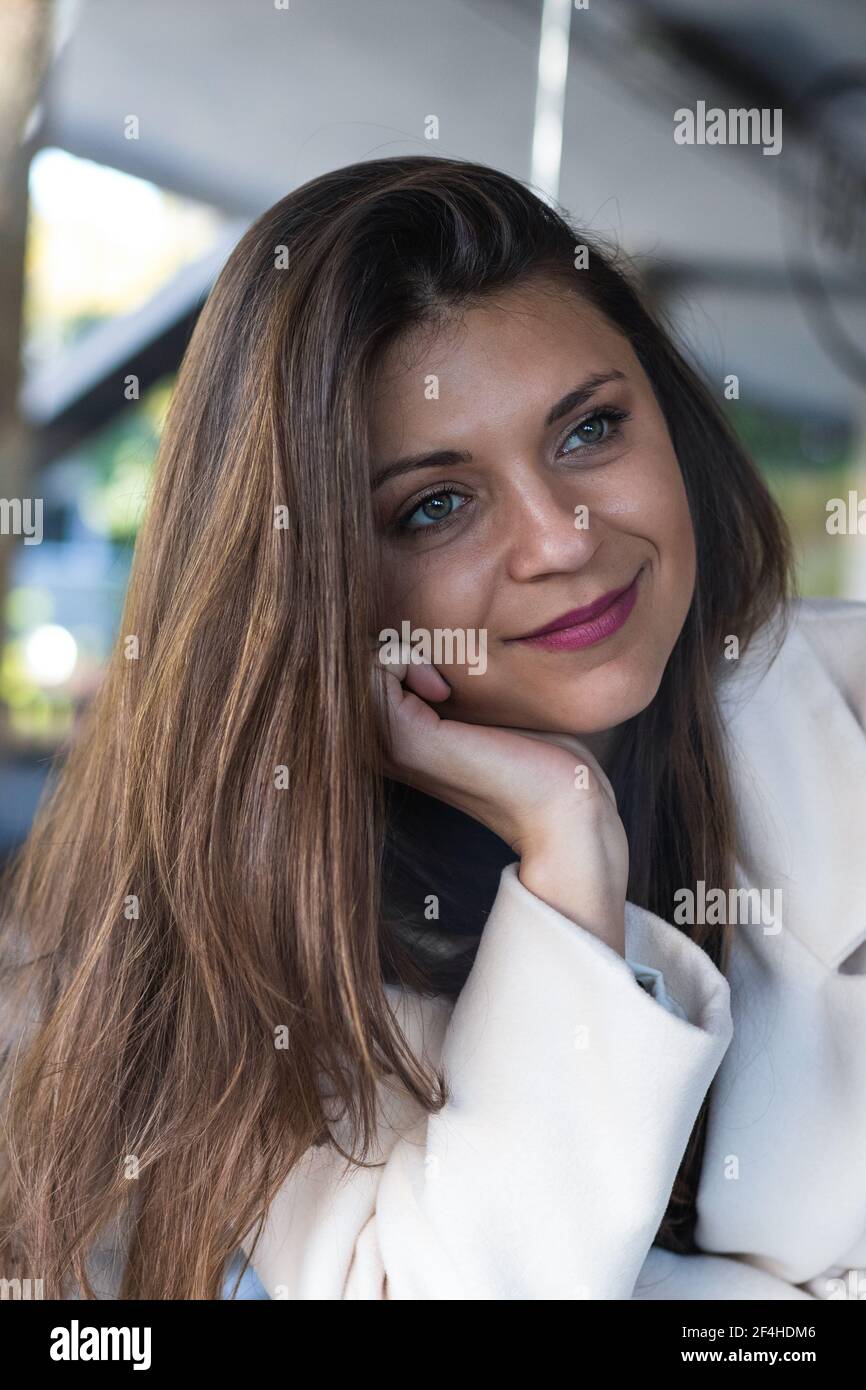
(583, 627)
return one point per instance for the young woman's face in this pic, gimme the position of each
(551, 505)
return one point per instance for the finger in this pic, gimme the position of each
(418, 675)
(426, 681)
(386, 686)
(396, 666)
(410, 722)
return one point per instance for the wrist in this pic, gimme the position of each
(554, 879)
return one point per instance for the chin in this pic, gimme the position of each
(598, 702)
(592, 703)
(611, 701)
(604, 711)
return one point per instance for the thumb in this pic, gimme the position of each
(411, 723)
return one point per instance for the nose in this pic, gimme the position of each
(548, 531)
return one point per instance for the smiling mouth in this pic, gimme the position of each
(583, 627)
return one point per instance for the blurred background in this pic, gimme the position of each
(137, 141)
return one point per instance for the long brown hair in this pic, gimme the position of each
(196, 933)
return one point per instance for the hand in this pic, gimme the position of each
(544, 794)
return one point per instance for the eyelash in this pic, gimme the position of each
(440, 490)
(613, 414)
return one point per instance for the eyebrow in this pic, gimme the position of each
(450, 458)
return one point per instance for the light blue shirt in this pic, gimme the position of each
(653, 982)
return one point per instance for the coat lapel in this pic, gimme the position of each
(798, 767)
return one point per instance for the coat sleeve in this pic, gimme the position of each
(546, 1174)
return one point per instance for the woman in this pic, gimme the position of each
(458, 652)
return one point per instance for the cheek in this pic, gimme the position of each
(660, 510)
(669, 529)
(435, 590)
(677, 541)
(401, 590)
(449, 591)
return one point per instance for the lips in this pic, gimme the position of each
(575, 616)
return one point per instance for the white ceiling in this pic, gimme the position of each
(239, 102)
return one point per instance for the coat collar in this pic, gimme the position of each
(797, 758)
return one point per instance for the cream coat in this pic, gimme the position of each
(574, 1092)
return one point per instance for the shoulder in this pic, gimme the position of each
(812, 652)
(796, 726)
(835, 631)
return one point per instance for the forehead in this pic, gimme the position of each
(517, 350)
